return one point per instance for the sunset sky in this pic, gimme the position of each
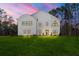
(18, 9)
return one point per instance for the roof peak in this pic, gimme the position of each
(38, 12)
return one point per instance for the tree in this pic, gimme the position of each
(53, 12)
(68, 16)
(7, 27)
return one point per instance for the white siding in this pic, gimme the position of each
(41, 24)
(27, 28)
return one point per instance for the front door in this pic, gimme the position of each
(46, 32)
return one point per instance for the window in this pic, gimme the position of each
(24, 31)
(39, 32)
(27, 23)
(55, 32)
(29, 31)
(47, 23)
(40, 24)
(55, 23)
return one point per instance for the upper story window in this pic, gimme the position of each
(55, 23)
(47, 23)
(27, 23)
(40, 24)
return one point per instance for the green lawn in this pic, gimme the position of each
(39, 45)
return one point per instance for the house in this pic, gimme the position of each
(40, 23)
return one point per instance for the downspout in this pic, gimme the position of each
(36, 26)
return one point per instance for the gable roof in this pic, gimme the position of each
(42, 12)
(26, 16)
(39, 13)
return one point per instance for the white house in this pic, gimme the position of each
(40, 23)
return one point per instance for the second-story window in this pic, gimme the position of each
(40, 24)
(55, 23)
(27, 23)
(47, 23)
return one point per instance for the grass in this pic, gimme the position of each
(39, 45)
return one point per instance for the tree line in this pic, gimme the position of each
(67, 13)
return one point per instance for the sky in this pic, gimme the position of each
(18, 9)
